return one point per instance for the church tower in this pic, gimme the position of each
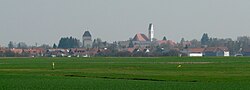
(151, 32)
(87, 40)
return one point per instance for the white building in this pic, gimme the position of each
(216, 51)
(195, 52)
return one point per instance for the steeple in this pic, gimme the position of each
(151, 32)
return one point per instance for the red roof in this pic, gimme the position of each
(131, 49)
(19, 51)
(140, 37)
(170, 42)
(214, 49)
(196, 50)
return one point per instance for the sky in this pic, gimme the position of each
(46, 21)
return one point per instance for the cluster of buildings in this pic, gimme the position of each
(140, 40)
(14, 52)
(90, 47)
(139, 43)
(209, 51)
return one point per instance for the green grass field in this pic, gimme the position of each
(199, 73)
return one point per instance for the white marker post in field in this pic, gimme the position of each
(53, 66)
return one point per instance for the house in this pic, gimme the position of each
(82, 52)
(17, 51)
(246, 52)
(35, 51)
(166, 42)
(195, 52)
(186, 43)
(123, 44)
(216, 51)
(57, 52)
(2, 50)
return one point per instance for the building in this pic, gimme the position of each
(164, 43)
(57, 52)
(151, 32)
(33, 52)
(2, 52)
(195, 52)
(141, 40)
(81, 52)
(216, 51)
(123, 44)
(16, 51)
(246, 52)
(87, 40)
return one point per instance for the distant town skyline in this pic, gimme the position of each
(46, 21)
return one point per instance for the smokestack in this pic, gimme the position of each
(151, 32)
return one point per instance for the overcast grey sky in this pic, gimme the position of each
(46, 21)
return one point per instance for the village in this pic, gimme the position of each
(138, 46)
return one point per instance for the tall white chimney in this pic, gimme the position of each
(151, 32)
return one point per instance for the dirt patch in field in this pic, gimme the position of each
(21, 70)
(121, 78)
(135, 78)
(190, 62)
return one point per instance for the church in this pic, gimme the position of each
(141, 40)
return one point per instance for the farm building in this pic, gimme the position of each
(195, 52)
(216, 51)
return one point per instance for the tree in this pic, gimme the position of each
(173, 52)
(22, 45)
(158, 50)
(204, 39)
(195, 43)
(182, 41)
(131, 45)
(54, 46)
(69, 43)
(45, 46)
(11, 45)
(234, 47)
(113, 48)
(97, 43)
(9, 53)
(244, 41)
(164, 38)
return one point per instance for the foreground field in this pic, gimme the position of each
(168, 73)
